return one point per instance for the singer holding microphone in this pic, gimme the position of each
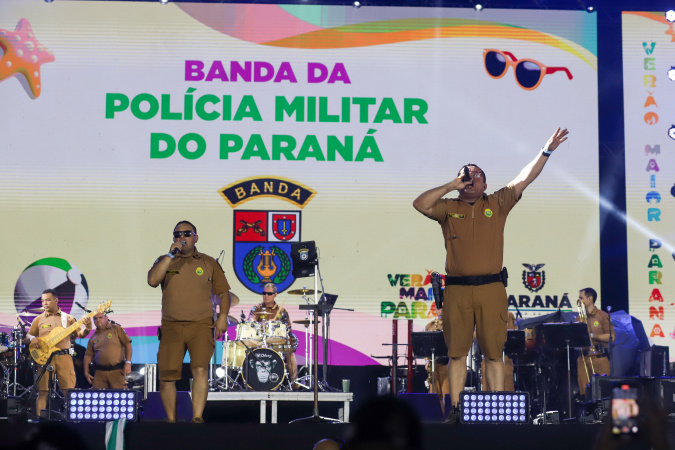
(188, 278)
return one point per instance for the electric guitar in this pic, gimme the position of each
(48, 343)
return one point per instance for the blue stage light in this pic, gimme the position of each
(498, 407)
(102, 405)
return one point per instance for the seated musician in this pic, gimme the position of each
(110, 349)
(596, 358)
(440, 382)
(42, 325)
(269, 305)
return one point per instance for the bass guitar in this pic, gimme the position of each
(48, 343)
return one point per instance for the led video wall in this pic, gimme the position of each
(266, 125)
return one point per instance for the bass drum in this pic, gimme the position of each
(264, 370)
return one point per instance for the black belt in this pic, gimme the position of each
(106, 368)
(62, 352)
(472, 281)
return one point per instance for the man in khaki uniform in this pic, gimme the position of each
(188, 278)
(473, 231)
(63, 363)
(599, 329)
(110, 349)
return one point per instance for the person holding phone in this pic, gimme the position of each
(475, 293)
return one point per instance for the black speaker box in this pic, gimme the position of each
(666, 387)
(655, 362)
(601, 387)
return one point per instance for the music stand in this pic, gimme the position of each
(515, 346)
(426, 344)
(566, 335)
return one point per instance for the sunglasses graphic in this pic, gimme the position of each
(528, 72)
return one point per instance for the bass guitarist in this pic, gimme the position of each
(43, 324)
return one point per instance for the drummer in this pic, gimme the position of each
(269, 305)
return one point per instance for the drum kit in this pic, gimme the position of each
(258, 357)
(16, 376)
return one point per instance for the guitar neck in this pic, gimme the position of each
(68, 331)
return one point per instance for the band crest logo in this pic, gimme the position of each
(262, 246)
(533, 279)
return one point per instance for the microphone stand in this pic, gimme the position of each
(611, 343)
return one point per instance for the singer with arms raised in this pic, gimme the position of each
(188, 278)
(473, 231)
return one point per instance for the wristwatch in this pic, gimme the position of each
(546, 153)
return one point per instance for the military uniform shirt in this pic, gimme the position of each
(474, 234)
(107, 346)
(187, 287)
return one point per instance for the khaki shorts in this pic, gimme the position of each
(177, 337)
(65, 373)
(483, 307)
(113, 379)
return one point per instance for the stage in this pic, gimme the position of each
(141, 435)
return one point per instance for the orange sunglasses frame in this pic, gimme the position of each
(512, 61)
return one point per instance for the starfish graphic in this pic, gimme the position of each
(24, 55)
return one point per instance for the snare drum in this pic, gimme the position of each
(290, 347)
(250, 333)
(264, 370)
(277, 332)
(234, 353)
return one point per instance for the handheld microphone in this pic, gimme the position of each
(176, 250)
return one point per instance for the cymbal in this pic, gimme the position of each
(231, 321)
(27, 314)
(305, 322)
(234, 299)
(264, 313)
(35, 310)
(302, 292)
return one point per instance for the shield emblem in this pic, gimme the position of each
(284, 226)
(262, 245)
(534, 279)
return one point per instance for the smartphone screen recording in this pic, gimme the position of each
(625, 410)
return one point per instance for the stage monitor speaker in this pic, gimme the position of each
(601, 387)
(154, 410)
(655, 362)
(427, 406)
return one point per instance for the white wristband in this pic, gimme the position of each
(128, 362)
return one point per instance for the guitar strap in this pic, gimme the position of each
(64, 324)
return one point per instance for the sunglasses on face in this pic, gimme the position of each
(187, 233)
(269, 293)
(528, 72)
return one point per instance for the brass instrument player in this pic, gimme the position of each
(595, 358)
